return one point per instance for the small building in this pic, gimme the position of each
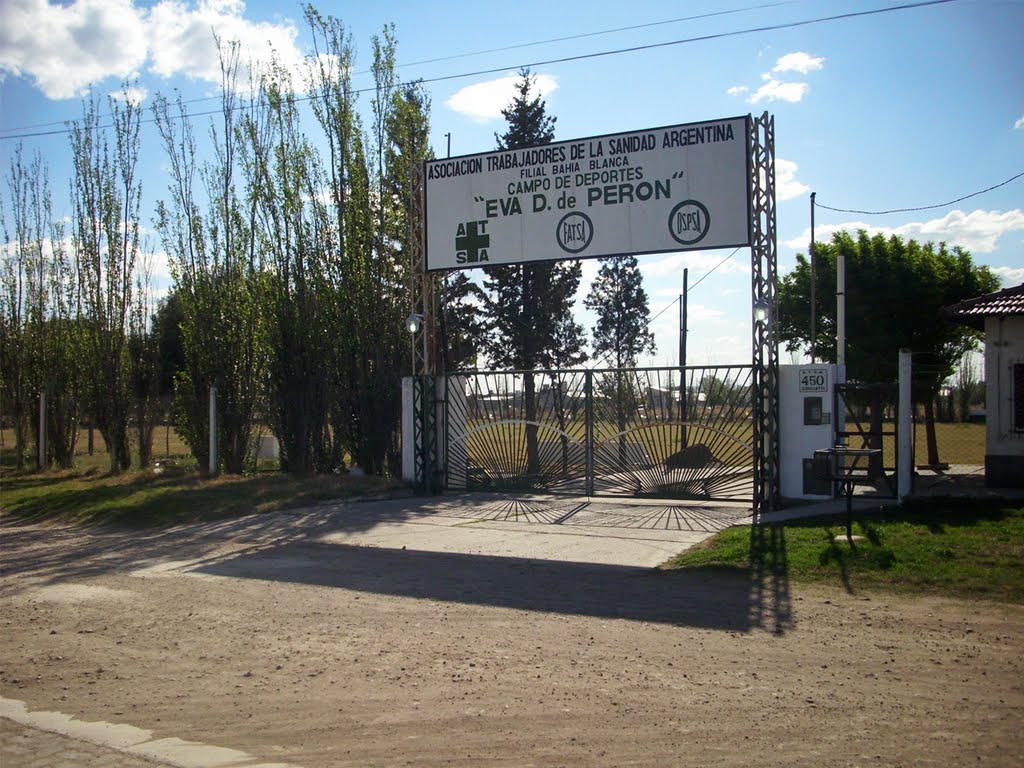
(1001, 316)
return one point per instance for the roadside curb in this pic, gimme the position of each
(132, 741)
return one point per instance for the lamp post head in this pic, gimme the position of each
(761, 310)
(414, 322)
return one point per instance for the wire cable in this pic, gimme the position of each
(585, 56)
(595, 34)
(470, 54)
(920, 207)
(714, 268)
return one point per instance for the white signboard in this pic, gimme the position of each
(679, 188)
(813, 380)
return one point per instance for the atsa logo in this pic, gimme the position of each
(689, 222)
(574, 232)
(472, 242)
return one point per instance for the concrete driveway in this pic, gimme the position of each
(569, 529)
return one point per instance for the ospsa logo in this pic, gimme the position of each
(689, 222)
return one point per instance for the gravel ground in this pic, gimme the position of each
(263, 636)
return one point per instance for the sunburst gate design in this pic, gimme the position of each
(574, 512)
(648, 432)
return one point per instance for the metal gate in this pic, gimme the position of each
(644, 432)
(868, 420)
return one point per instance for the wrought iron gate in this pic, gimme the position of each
(868, 420)
(645, 432)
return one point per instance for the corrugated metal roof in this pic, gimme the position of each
(1009, 301)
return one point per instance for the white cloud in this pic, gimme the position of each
(1010, 276)
(66, 48)
(798, 61)
(134, 94)
(776, 90)
(699, 263)
(786, 185)
(183, 39)
(1019, 124)
(978, 231)
(588, 275)
(484, 101)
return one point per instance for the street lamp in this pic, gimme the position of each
(761, 310)
(414, 322)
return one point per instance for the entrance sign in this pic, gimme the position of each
(678, 188)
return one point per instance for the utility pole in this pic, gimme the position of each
(682, 320)
(814, 282)
(682, 357)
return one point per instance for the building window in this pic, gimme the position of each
(1018, 397)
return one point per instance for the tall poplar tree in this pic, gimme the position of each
(209, 231)
(371, 179)
(22, 291)
(107, 194)
(40, 316)
(529, 306)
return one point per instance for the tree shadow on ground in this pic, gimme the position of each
(708, 598)
(57, 553)
(289, 546)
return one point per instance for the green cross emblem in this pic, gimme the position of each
(472, 242)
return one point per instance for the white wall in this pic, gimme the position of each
(1004, 347)
(798, 441)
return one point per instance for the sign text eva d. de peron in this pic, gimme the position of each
(665, 189)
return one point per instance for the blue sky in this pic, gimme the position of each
(899, 109)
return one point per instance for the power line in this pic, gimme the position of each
(470, 54)
(586, 56)
(596, 34)
(664, 309)
(920, 207)
(714, 268)
(676, 300)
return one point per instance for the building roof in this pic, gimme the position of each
(1009, 301)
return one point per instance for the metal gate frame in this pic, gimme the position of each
(609, 432)
(764, 333)
(880, 395)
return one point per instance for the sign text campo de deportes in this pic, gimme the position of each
(679, 188)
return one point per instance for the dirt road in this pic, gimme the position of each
(266, 636)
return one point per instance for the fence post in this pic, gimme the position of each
(588, 397)
(904, 429)
(214, 462)
(42, 429)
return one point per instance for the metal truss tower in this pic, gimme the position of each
(764, 284)
(423, 291)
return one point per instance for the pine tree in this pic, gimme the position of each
(621, 333)
(620, 301)
(529, 306)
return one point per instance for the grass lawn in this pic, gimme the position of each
(960, 548)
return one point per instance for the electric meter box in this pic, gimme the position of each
(806, 424)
